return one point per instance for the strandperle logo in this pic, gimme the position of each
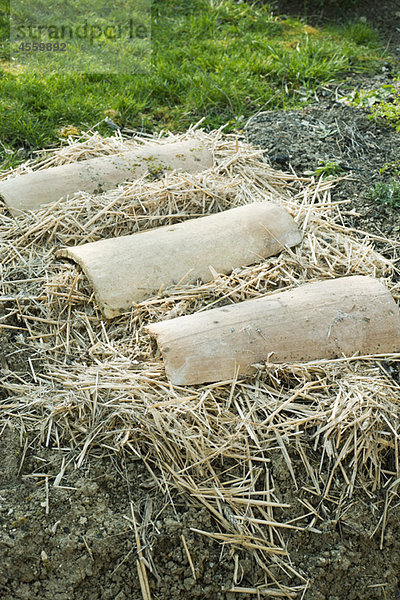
(81, 36)
(92, 32)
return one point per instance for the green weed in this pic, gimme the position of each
(387, 112)
(328, 168)
(392, 168)
(383, 102)
(369, 98)
(386, 193)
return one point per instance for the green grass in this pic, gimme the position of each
(222, 60)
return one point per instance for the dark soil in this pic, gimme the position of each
(76, 541)
(332, 132)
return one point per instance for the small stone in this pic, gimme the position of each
(280, 158)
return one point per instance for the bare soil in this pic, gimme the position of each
(332, 132)
(75, 542)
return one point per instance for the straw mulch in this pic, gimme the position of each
(93, 384)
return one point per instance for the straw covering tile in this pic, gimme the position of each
(96, 385)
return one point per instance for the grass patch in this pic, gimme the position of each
(220, 60)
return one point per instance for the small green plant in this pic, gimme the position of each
(392, 168)
(328, 168)
(388, 112)
(384, 104)
(367, 99)
(387, 193)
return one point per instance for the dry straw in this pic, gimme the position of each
(333, 426)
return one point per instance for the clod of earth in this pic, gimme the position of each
(33, 190)
(129, 269)
(325, 319)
